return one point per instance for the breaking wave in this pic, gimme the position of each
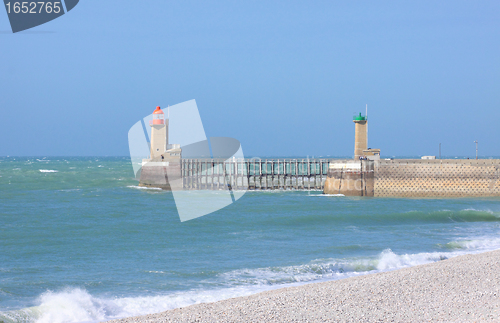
(412, 217)
(145, 188)
(78, 305)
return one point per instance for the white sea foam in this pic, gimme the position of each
(145, 188)
(476, 210)
(388, 260)
(332, 269)
(476, 244)
(277, 191)
(78, 305)
(47, 171)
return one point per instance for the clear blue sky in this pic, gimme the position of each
(283, 77)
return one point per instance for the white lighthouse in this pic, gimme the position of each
(163, 167)
(161, 150)
(159, 134)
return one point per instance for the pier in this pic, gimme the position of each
(254, 174)
(172, 167)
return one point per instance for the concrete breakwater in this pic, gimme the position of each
(378, 178)
(415, 178)
(164, 175)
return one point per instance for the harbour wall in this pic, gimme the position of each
(437, 178)
(415, 178)
(381, 178)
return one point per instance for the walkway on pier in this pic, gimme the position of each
(254, 174)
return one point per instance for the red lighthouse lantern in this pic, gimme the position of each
(158, 116)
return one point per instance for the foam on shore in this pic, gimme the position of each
(145, 188)
(78, 305)
(461, 289)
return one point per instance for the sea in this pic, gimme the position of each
(80, 241)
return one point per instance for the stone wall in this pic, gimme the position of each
(437, 178)
(165, 175)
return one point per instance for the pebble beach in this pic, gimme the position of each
(460, 289)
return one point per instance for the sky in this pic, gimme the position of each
(283, 77)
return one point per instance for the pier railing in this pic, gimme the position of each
(254, 174)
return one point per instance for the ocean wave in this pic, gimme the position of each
(280, 190)
(476, 210)
(476, 244)
(48, 171)
(78, 305)
(331, 269)
(417, 217)
(145, 188)
(69, 305)
(466, 215)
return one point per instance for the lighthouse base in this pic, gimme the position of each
(164, 175)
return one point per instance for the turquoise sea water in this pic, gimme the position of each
(80, 242)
